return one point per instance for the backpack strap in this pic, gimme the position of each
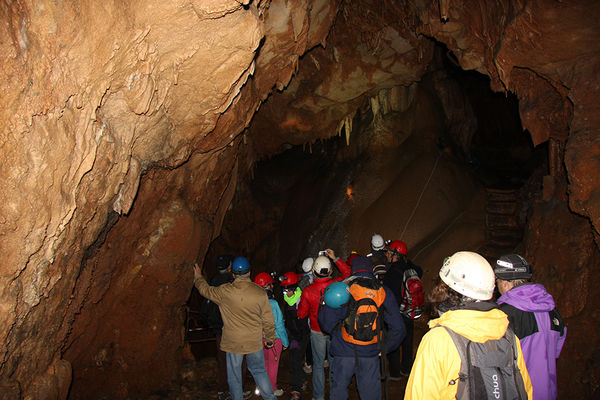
(381, 340)
(461, 344)
(519, 382)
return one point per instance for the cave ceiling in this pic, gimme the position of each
(127, 126)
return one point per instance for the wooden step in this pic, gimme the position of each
(500, 195)
(505, 232)
(502, 207)
(497, 221)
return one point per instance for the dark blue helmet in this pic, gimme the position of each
(240, 265)
(224, 262)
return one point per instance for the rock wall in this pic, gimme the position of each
(127, 337)
(566, 260)
(95, 96)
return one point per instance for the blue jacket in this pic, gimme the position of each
(330, 318)
(541, 330)
(280, 331)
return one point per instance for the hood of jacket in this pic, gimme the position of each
(530, 297)
(362, 273)
(477, 326)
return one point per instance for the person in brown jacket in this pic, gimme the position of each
(247, 317)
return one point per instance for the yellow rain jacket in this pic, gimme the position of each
(437, 361)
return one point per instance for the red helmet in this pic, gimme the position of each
(263, 279)
(398, 246)
(351, 257)
(289, 279)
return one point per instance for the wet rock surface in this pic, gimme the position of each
(128, 128)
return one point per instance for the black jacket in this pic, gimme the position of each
(209, 310)
(296, 328)
(394, 277)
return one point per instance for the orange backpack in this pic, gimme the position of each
(364, 321)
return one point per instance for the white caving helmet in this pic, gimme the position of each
(377, 242)
(307, 264)
(321, 267)
(469, 274)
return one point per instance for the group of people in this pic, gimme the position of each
(362, 312)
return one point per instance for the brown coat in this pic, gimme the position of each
(246, 314)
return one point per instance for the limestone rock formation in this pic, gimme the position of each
(126, 127)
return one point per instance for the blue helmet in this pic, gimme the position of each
(337, 294)
(240, 265)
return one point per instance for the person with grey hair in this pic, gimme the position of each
(534, 319)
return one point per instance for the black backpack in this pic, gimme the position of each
(209, 311)
(488, 370)
(210, 315)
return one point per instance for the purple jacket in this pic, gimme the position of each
(542, 333)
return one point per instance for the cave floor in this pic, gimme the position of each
(203, 382)
(207, 388)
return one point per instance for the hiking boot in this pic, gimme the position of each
(307, 368)
(247, 394)
(278, 392)
(295, 395)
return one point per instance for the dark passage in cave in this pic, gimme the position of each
(295, 203)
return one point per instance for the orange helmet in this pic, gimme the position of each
(263, 279)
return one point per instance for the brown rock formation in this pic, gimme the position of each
(127, 126)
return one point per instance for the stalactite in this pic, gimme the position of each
(346, 125)
(444, 10)
(314, 60)
(375, 106)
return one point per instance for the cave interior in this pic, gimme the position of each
(275, 129)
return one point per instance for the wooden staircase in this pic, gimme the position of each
(503, 231)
